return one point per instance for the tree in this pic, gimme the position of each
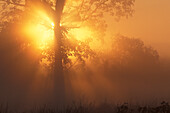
(133, 51)
(130, 55)
(70, 14)
(75, 14)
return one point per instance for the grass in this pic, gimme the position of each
(163, 107)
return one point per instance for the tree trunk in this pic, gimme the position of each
(58, 75)
(59, 85)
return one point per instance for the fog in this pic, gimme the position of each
(150, 23)
(126, 70)
(130, 62)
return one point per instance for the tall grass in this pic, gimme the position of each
(163, 107)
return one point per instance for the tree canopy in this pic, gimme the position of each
(75, 15)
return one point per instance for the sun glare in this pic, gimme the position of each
(81, 33)
(40, 30)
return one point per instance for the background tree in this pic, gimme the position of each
(130, 54)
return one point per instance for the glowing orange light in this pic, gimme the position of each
(81, 33)
(40, 30)
(52, 24)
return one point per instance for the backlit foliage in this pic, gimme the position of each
(77, 14)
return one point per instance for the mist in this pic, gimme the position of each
(150, 23)
(125, 70)
(51, 57)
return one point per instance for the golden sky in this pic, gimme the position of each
(150, 22)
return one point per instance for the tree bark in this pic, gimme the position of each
(59, 85)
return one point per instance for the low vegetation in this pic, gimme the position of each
(105, 107)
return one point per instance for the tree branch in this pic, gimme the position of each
(95, 10)
(9, 2)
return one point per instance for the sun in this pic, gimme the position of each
(52, 25)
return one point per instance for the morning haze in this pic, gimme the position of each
(150, 23)
(84, 56)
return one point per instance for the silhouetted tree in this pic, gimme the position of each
(75, 14)
(71, 14)
(131, 51)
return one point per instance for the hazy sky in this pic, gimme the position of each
(150, 22)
